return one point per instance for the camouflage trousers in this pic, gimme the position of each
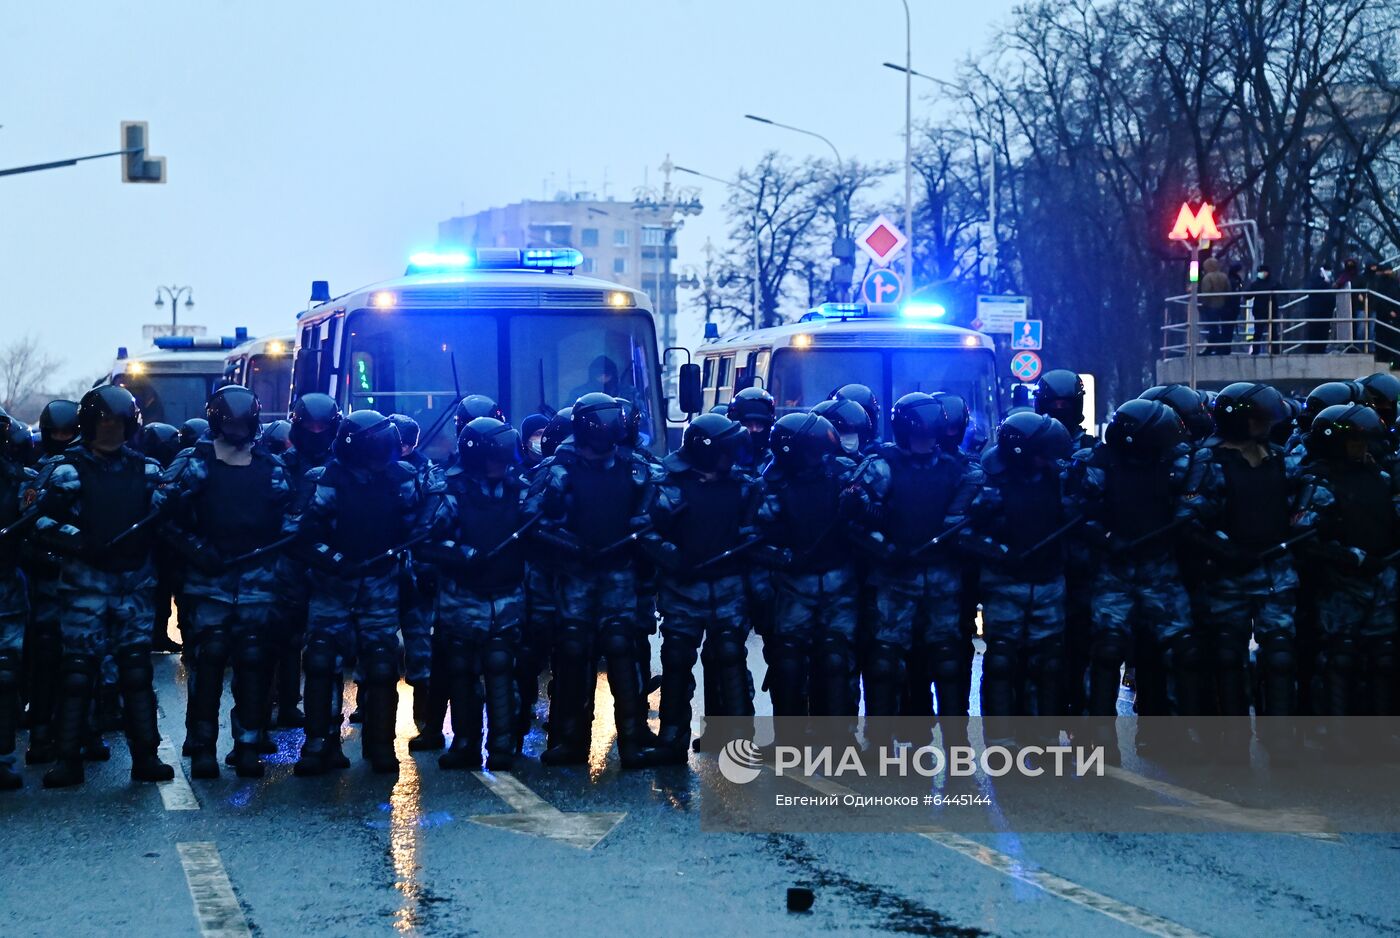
(241, 602)
(919, 606)
(14, 610)
(809, 607)
(587, 601)
(102, 612)
(416, 615)
(1357, 605)
(691, 609)
(472, 616)
(1259, 601)
(354, 613)
(1022, 613)
(1143, 597)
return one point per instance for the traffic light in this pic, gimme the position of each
(136, 167)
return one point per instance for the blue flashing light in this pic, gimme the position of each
(440, 260)
(174, 341)
(551, 258)
(923, 311)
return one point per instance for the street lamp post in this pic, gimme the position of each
(908, 149)
(175, 292)
(843, 222)
(756, 260)
(909, 73)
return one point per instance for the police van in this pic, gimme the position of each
(173, 380)
(514, 324)
(894, 353)
(264, 366)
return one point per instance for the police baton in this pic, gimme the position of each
(145, 522)
(725, 555)
(1051, 538)
(515, 536)
(265, 549)
(1278, 550)
(1153, 535)
(938, 538)
(354, 569)
(22, 522)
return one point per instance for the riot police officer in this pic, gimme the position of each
(595, 497)
(1060, 394)
(812, 658)
(1131, 488)
(754, 410)
(1020, 518)
(365, 509)
(865, 397)
(97, 500)
(479, 517)
(703, 516)
(58, 427)
(15, 478)
(852, 425)
(1189, 405)
(230, 497)
(473, 406)
(909, 498)
(532, 440)
(277, 437)
(192, 431)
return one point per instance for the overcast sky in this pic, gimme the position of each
(319, 140)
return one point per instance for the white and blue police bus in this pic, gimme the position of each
(172, 381)
(517, 325)
(264, 366)
(894, 354)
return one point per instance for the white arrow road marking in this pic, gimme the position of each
(1300, 822)
(220, 915)
(1056, 886)
(534, 815)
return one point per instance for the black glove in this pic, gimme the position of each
(982, 546)
(329, 561)
(661, 552)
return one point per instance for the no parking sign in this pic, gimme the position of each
(1025, 366)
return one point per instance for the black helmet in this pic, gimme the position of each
(192, 431)
(1024, 437)
(598, 421)
(408, 430)
(8, 449)
(473, 406)
(108, 400)
(1189, 405)
(58, 417)
(19, 443)
(1341, 424)
(851, 421)
(801, 441)
(559, 429)
(315, 420)
(952, 426)
(160, 441)
(632, 422)
(486, 440)
(276, 436)
(1244, 403)
(709, 443)
(1324, 396)
(753, 404)
(367, 440)
(863, 396)
(1060, 393)
(1382, 391)
(234, 414)
(1144, 430)
(916, 415)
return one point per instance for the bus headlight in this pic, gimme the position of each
(802, 340)
(620, 298)
(382, 300)
(971, 341)
(136, 368)
(276, 347)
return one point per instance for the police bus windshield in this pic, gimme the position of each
(803, 377)
(270, 378)
(402, 361)
(171, 399)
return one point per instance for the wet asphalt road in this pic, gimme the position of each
(355, 854)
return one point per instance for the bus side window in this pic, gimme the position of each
(707, 382)
(724, 384)
(759, 367)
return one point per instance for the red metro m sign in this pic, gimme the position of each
(1198, 225)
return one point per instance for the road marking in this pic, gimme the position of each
(176, 794)
(1057, 886)
(1300, 822)
(534, 815)
(215, 905)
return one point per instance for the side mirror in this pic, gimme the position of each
(688, 388)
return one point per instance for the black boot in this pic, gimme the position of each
(249, 689)
(884, 681)
(429, 712)
(999, 671)
(71, 720)
(211, 658)
(9, 720)
(288, 683)
(459, 660)
(321, 682)
(678, 655)
(44, 680)
(139, 711)
(381, 700)
(570, 699)
(498, 678)
(636, 744)
(787, 679)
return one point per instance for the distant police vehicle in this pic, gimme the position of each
(172, 381)
(800, 364)
(264, 366)
(513, 324)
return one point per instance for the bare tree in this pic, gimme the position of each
(25, 368)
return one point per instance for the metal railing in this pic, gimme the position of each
(1285, 322)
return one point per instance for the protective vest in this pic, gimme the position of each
(601, 502)
(1256, 501)
(236, 510)
(1364, 516)
(1138, 499)
(369, 516)
(485, 520)
(1031, 511)
(920, 492)
(807, 524)
(113, 497)
(710, 525)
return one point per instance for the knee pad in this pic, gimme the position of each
(725, 647)
(319, 657)
(134, 669)
(999, 661)
(885, 662)
(213, 644)
(678, 651)
(1228, 656)
(833, 656)
(1047, 657)
(498, 658)
(1341, 654)
(78, 673)
(252, 651)
(572, 641)
(1380, 655)
(1277, 655)
(9, 670)
(458, 656)
(616, 640)
(380, 663)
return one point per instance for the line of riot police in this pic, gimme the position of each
(328, 546)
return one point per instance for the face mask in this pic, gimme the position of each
(850, 442)
(536, 444)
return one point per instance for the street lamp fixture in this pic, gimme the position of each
(175, 293)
